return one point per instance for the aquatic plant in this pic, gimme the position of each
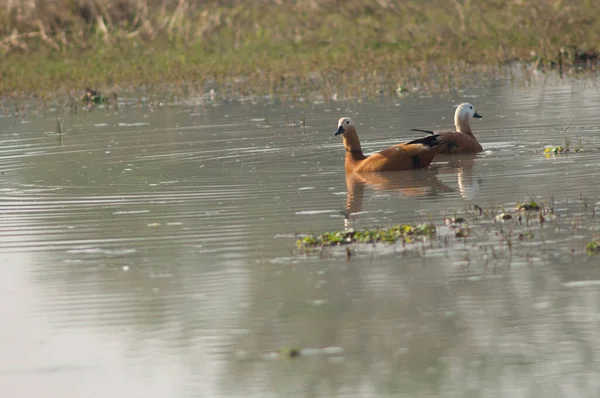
(593, 247)
(462, 232)
(401, 90)
(503, 217)
(405, 233)
(526, 235)
(92, 97)
(529, 206)
(289, 352)
(566, 148)
(458, 223)
(58, 127)
(560, 149)
(452, 221)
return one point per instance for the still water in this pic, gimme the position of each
(150, 252)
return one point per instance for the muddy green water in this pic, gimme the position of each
(151, 252)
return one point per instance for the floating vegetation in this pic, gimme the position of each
(593, 247)
(503, 217)
(289, 352)
(462, 232)
(491, 230)
(452, 221)
(526, 235)
(458, 222)
(405, 233)
(401, 90)
(92, 97)
(529, 206)
(560, 149)
(555, 150)
(295, 352)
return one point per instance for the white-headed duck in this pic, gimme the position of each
(462, 140)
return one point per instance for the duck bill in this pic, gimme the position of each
(340, 130)
(477, 116)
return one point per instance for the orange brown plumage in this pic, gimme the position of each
(462, 139)
(415, 154)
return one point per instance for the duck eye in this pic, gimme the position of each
(347, 121)
(470, 107)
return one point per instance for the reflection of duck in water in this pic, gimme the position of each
(462, 140)
(468, 184)
(416, 183)
(415, 154)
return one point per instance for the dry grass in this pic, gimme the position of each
(273, 45)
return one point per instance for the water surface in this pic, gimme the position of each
(151, 252)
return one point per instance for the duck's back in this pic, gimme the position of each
(459, 143)
(455, 141)
(398, 157)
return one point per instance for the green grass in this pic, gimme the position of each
(244, 48)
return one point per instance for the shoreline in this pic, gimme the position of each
(448, 81)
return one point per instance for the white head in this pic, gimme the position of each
(466, 111)
(345, 123)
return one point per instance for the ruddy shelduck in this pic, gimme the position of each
(462, 140)
(415, 154)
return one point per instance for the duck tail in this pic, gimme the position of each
(430, 141)
(424, 131)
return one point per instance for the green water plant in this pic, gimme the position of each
(503, 217)
(462, 232)
(593, 247)
(559, 150)
(527, 235)
(528, 206)
(554, 150)
(289, 352)
(92, 97)
(405, 233)
(453, 221)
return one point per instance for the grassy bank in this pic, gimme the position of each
(274, 46)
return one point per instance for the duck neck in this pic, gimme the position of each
(352, 145)
(463, 126)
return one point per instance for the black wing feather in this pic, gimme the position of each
(424, 131)
(429, 141)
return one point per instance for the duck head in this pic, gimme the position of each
(462, 117)
(345, 125)
(348, 132)
(466, 111)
